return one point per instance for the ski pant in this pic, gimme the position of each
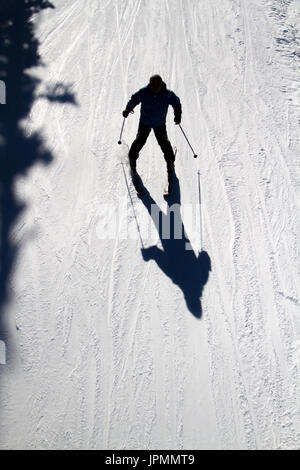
(162, 139)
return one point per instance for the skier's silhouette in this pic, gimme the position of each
(155, 99)
(181, 265)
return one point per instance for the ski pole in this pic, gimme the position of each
(120, 141)
(195, 156)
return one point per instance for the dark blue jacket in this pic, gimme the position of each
(154, 108)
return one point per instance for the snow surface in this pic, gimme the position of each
(107, 352)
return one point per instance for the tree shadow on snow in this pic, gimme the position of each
(180, 264)
(19, 152)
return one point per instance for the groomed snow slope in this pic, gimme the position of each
(107, 353)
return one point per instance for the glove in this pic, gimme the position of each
(125, 113)
(177, 119)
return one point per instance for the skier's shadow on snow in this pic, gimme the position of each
(181, 265)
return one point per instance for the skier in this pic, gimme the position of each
(155, 99)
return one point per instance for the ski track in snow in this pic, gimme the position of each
(108, 355)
